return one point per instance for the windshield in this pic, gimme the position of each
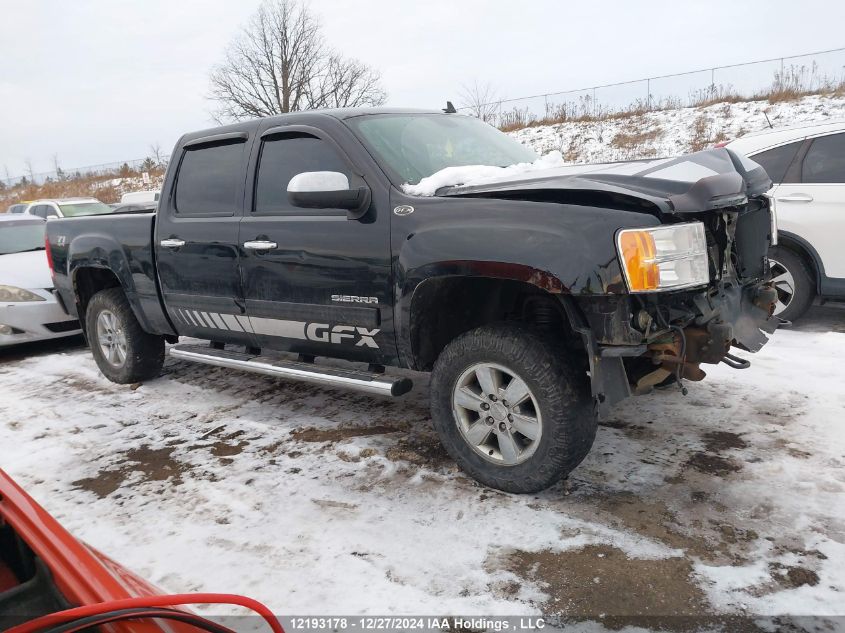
(84, 208)
(411, 147)
(19, 236)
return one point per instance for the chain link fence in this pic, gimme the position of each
(794, 75)
(118, 169)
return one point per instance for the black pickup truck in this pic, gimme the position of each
(537, 300)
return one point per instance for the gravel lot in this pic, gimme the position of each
(729, 502)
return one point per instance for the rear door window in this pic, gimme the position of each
(825, 160)
(777, 160)
(208, 180)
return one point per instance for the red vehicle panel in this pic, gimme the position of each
(85, 578)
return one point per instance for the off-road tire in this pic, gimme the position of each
(144, 352)
(561, 390)
(805, 285)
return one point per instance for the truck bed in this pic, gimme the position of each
(120, 245)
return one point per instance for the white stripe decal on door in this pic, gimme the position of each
(244, 323)
(218, 321)
(198, 318)
(189, 318)
(231, 322)
(278, 327)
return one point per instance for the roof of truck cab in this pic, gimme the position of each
(348, 113)
(336, 113)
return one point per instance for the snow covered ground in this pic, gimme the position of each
(673, 132)
(728, 501)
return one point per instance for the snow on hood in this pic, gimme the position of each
(27, 270)
(480, 174)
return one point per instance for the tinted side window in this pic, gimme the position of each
(284, 157)
(825, 160)
(777, 160)
(40, 210)
(208, 179)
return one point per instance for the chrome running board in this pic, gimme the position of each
(294, 370)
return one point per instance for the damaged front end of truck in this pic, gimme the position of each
(653, 336)
(690, 290)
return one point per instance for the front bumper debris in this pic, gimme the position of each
(625, 361)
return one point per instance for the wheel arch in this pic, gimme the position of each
(443, 307)
(90, 279)
(809, 255)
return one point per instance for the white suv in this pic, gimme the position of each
(67, 207)
(807, 166)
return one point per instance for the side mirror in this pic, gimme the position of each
(328, 190)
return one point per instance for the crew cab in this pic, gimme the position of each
(536, 297)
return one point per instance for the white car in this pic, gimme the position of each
(140, 197)
(807, 166)
(28, 309)
(67, 207)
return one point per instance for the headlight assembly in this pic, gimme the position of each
(11, 294)
(664, 257)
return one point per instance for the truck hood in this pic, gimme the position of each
(703, 181)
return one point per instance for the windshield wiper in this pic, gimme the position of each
(29, 250)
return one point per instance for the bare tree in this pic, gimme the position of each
(281, 63)
(481, 100)
(156, 154)
(344, 83)
(29, 170)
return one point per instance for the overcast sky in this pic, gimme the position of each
(99, 81)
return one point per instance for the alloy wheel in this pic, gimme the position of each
(497, 414)
(111, 338)
(784, 284)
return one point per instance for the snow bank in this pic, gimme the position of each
(656, 134)
(480, 174)
(672, 132)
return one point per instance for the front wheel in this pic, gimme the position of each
(123, 351)
(510, 409)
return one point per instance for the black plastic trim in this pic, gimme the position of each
(347, 314)
(239, 137)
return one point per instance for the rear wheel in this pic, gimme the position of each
(123, 351)
(793, 283)
(510, 409)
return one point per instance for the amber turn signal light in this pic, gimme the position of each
(639, 257)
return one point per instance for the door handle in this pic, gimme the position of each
(796, 197)
(260, 245)
(172, 242)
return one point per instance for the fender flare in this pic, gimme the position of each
(419, 279)
(103, 253)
